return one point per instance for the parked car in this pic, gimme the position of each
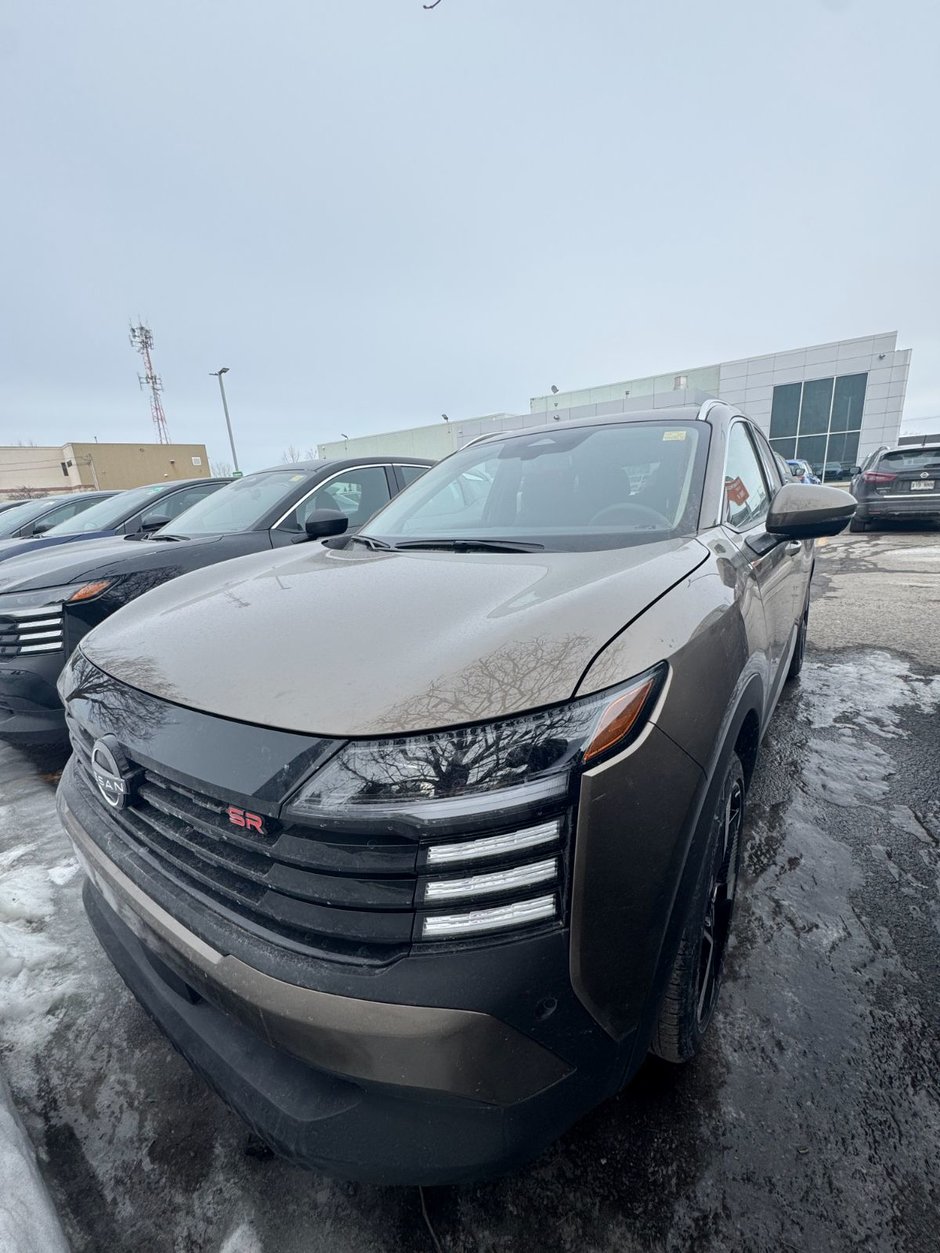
(416, 844)
(801, 470)
(35, 517)
(837, 471)
(11, 504)
(897, 484)
(133, 513)
(49, 599)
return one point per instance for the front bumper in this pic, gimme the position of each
(30, 709)
(364, 1089)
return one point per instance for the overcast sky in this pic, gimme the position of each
(372, 213)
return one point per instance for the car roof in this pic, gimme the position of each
(210, 478)
(57, 499)
(346, 463)
(934, 446)
(644, 411)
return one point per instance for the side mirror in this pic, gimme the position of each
(153, 522)
(323, 523)
(40, 528)
(856, 470)
(809, 510)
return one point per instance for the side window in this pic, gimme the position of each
(747, 497)
(411, 474)
(173, 506)
(359, 493)
(61, 513)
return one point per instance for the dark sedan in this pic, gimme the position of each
(48, 600)
(133, 513)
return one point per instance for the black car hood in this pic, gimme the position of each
(13, 548)
(89, 559)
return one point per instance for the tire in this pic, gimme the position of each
(859, 524)
(799, 652)
(694, 982)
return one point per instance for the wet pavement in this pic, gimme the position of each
(810, 1122)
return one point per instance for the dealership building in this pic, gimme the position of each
(830, 404)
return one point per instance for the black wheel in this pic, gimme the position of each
(692, 991)
(859, 524)
(799, 652)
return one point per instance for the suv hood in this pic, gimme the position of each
(347, 642)
(91, 559)
(13, 548)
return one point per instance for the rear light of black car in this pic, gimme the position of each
(878, 477)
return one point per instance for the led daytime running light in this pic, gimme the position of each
(519, 914)
(514, 877)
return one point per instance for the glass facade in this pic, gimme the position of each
(820, 421)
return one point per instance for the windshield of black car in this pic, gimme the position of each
(573, 488)
(239, 506)
(911, 459)
(110, 512)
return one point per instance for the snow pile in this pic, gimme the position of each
(34, 969)
(28, 1222)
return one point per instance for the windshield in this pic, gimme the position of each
(109, 513)
(239, 506)
(12, 519)
(900, 459)
(574, 488)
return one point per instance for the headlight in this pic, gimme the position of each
(467, 775)
(88, 591)
(489, 807)
(52, 596)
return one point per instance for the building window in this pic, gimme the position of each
(819, 420)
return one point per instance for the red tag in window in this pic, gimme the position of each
(736, 492)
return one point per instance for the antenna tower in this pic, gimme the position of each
(142, 339)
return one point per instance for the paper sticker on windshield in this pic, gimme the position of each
(673, 435)
(295, 478)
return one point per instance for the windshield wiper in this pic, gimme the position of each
(473, 545)
(169, 539)
(370, 542)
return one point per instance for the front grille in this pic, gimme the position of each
(27, 631)
(357, 895)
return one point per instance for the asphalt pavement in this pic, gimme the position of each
(810, 1122)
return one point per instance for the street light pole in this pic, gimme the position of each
(231, 439)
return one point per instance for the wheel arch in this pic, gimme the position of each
(740, 733)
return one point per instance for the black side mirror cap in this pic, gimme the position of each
(809, 511)
(153, 524)
(39, 528)
(323, 523)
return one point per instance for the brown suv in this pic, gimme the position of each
(416, 843)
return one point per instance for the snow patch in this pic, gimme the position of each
(244, 1239)
(28, 1222)
(65, 872)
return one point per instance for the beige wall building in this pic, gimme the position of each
(75, 467)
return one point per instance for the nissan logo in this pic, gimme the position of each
(108, 776)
